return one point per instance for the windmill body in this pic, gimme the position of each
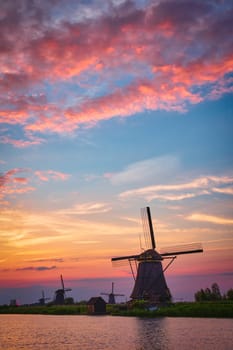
(59, 297)
(150, 283)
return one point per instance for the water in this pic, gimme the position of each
(40, 332)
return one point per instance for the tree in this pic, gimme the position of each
(210, 294)
(230, 294)
(69, 301)
(200, 295)
(216, 294)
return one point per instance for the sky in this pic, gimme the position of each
(107, 107)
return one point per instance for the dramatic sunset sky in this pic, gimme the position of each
(107, 107)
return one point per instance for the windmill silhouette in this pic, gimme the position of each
(43, 299)
(60, 293)
(150, 283)
(112, 295)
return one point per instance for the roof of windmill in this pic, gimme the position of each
(59, 291)
(150, 254)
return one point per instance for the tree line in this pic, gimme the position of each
(213, 294)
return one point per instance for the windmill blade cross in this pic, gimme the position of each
(183, 249)
(145, 228)
(148, 227)
(62, 283)
(128, 257)
(151, 227)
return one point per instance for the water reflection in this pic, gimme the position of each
(39, 332)
(152, 334)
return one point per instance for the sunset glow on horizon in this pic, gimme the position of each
(108, 107)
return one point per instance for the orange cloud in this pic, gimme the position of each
(209, 218)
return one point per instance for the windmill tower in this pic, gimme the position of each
(60, 293)
(150, 283)
(43, 299)
(112, 295)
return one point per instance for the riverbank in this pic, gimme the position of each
(184, 309)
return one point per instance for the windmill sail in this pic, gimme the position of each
(147, 225)
(127, 257)
(182, 249)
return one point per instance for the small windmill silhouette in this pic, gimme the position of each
(43, 299)
(112, 295)
(60, 293)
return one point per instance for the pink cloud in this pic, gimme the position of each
(12, 184)
(22, 180)
(9, 190)
(21, 143)
(51, 174)
(168, 49)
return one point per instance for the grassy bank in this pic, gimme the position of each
(45, 310)
(204, 309)
(207, 309)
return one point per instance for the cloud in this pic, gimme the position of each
(87, 209)
(225, 190)
(38, 268)
(57, 260)
(21, 143)
(179, 191)
(211, 219)
(172, 45)
(46, 175)
(35, 241)
(146, 170)
(12, 184)
(86, 242)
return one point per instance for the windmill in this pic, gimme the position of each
(43, 299)
(112, 295)
(150, 283)
(60, 293)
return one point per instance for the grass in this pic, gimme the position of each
(204, 309)
(220, 309)
(45, 310)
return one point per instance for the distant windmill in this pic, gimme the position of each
(43, 299)
(60, 293)
(150, 283)
(112, 295)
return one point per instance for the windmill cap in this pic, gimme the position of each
(150, 254)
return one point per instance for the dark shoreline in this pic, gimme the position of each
(184, 309)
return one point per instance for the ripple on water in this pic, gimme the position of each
(39, 332)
